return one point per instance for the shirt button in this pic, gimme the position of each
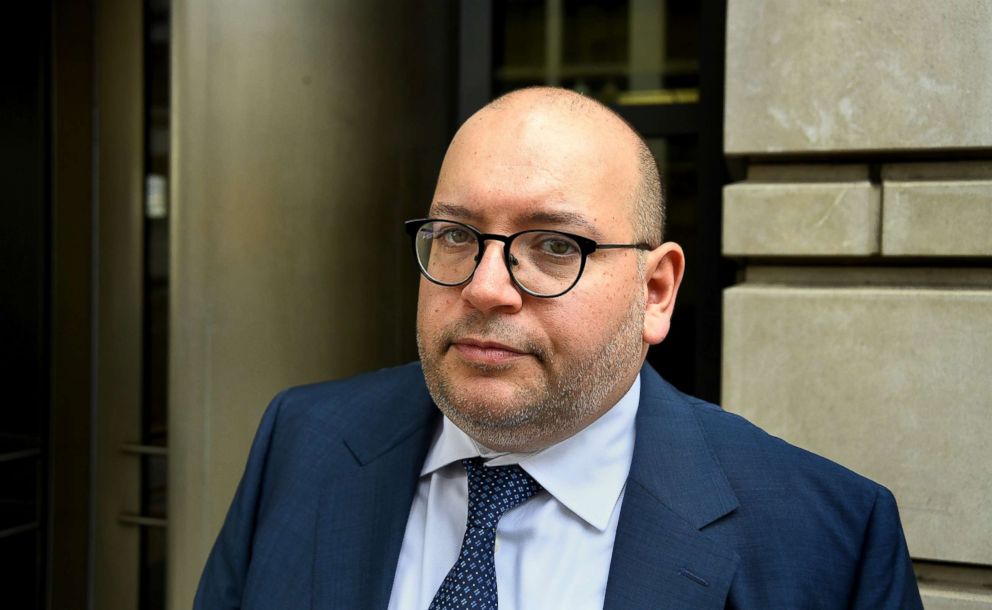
(496, 546)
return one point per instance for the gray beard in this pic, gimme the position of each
(575, 392)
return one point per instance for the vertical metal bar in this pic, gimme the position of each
(475, 61)
(552, 42)
(119, 248)
(715, 272)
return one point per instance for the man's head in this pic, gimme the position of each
(519, 372)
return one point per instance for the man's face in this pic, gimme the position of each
(518, 372)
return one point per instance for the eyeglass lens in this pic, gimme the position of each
(542, 262)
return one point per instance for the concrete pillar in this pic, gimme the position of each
(304, 133)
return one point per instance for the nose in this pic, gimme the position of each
(491, 287)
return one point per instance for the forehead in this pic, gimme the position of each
(532, 167)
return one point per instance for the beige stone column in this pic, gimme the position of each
(862, 325)
(303, 134)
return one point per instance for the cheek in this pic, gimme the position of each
(426, 308)
(576, 324)
(434, 305)
(597, 309)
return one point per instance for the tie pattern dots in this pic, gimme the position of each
(471, 582)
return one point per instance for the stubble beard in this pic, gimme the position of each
(573, 394)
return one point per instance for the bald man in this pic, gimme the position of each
(531, 459)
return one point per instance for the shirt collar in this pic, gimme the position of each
(585, 472)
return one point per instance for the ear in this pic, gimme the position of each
(662, 276)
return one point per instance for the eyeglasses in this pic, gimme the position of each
(542, 263)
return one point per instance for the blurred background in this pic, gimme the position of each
(203, 204)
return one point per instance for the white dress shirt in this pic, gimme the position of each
(552, 551)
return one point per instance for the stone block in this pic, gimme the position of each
(950, 599)
(799, 172)
(944, 210)
(857, 75)
(838, 275)
(833, 210)
(893, 383)
(955, 170)
(954, 586)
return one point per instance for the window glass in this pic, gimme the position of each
(620, 52)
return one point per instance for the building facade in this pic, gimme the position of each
(861, 324)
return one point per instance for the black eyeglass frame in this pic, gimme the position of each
(586, 247)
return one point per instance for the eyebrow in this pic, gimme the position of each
(537, 217)
(459, 212)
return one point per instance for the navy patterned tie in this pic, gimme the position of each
(471, 582)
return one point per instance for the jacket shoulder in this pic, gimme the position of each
(803, 516)
(805, 529)
(747, 451)
(341, 402)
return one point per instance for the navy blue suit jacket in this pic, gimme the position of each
(716, 512)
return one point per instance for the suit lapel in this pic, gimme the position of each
(362, 514)
(675, 489)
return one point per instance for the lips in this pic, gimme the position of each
(486, 352)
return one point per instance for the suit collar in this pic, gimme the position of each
(585, 472)
(404, 409)
(675, 489)
(672, 458)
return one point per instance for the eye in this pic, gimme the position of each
(558, 246)
(454, 236)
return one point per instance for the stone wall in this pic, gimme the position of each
(862, 324)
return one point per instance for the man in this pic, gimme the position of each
(564, 473)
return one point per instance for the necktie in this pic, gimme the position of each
(471, 582)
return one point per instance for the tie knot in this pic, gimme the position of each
(494, 490)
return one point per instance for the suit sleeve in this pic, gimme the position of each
(223, 579)
(885, 578)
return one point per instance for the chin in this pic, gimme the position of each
(488, 409)
(488, 400)
(510, 430)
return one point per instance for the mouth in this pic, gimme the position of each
(481, 352)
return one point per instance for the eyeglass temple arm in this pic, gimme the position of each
(640, 246)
